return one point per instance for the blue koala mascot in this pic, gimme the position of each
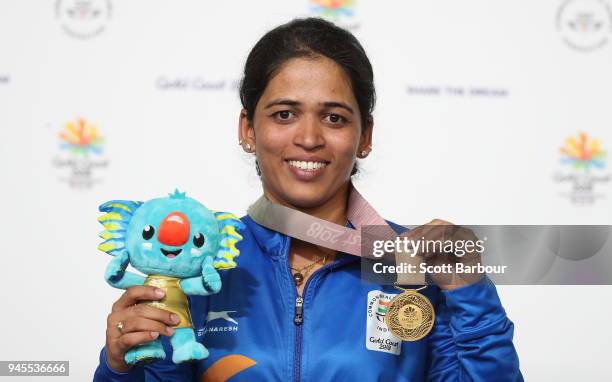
(179, 244)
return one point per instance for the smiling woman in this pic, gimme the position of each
(307, 97)
(306, 136)
(291, 309)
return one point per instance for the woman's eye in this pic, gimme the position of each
(198, 240)
(335, 118)
(147, 232)
(283, 115)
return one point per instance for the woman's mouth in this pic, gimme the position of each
(306, 170)
(307, 165)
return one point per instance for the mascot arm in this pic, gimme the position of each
(210, 280)
(116, 275)
(206, 284)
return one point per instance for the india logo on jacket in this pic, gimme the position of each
(378, 335)
(381, 311)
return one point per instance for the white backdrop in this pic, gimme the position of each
(475, 99)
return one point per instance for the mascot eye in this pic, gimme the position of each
(148, 232)
(198, 240)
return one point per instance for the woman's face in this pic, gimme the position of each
(306, 132)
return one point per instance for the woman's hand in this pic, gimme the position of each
(443, 266)
(140, 324)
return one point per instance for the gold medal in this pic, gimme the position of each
(410, 316)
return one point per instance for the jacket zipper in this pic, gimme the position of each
(297, 354)
(298, 316)
(298, 319)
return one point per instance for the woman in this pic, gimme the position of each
(292, 310)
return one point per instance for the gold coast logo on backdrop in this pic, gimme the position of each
(5, 79)
(83, 18)
(585, 25)
(341, 12)
(81, 152)
(584, 164)
(188, 82)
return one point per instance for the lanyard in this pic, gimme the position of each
(321, 232)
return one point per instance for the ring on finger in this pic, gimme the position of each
(120, 327)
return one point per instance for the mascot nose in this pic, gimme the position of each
(174, 229)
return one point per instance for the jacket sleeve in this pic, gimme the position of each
(472, 337)
(161, 371)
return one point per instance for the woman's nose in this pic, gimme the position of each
(309, 134)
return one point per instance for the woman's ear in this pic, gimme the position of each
(365, 141)
(246, 132)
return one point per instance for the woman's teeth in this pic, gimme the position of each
(303, 165)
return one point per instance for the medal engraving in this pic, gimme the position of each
(410, 316)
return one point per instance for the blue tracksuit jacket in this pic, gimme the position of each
(249, 327)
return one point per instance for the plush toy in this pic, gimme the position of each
(179, 244)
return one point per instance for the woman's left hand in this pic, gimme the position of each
(466, 250)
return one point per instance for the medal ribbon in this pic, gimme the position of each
(321, 232)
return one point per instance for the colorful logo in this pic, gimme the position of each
(333, 9)
(381, 311)
(582, 153)
(584, 159)
(81, 153)
(81, 138)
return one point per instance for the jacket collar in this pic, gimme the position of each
(271, 242)
(276, 244)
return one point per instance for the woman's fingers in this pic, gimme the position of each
(117, 346)
(153, 313)
(130, 340)
(428, 231)
(137, 293)
(131, 323)
(139, 324)
(136, 317)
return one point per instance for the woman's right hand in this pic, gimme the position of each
(141, 324)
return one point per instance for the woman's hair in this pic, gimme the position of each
(308, 37)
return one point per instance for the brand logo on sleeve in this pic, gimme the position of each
(224, 314)
(378, 336)
(223, 322)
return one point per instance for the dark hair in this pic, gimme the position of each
(308, 37)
